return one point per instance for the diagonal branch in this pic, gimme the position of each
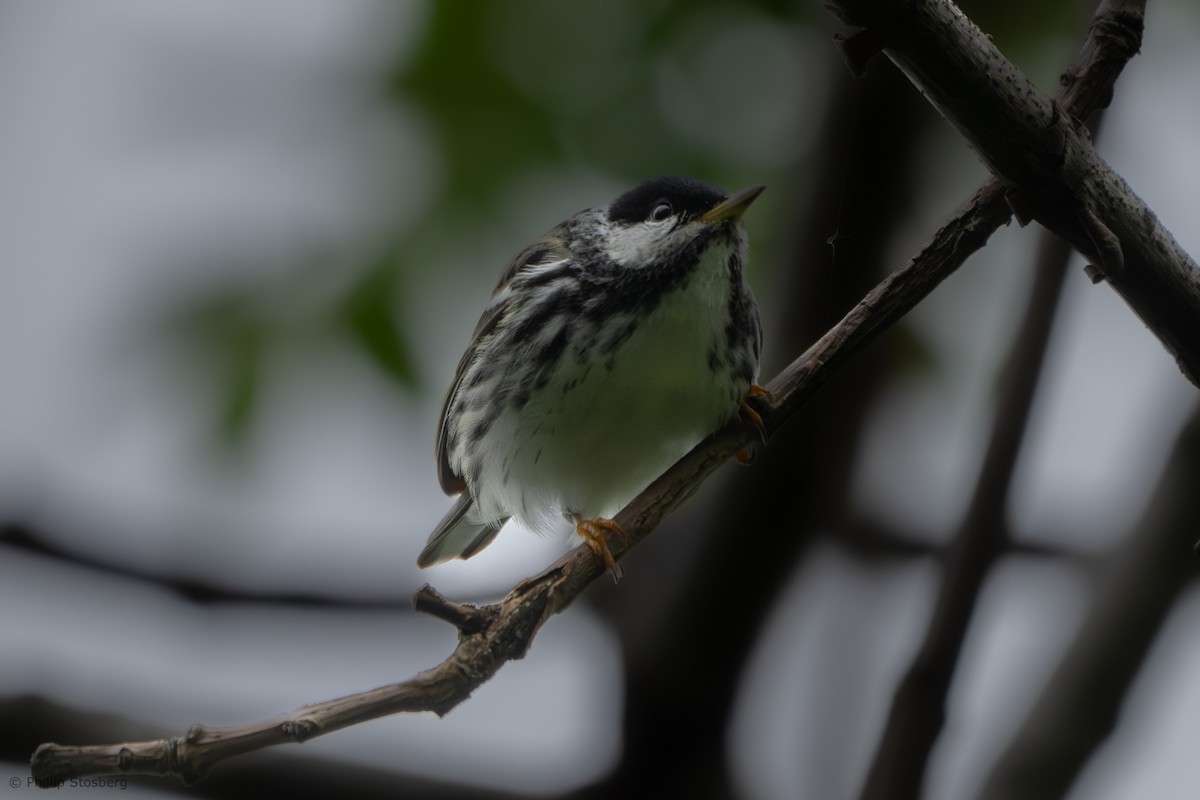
(918, 709)
(1038, 148)
(518, 617)
(510, 625)
(502, 632)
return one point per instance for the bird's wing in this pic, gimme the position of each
(548, 249)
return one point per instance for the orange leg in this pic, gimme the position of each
(747, 410)
(593, 532)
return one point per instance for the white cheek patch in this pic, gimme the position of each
(635, 246)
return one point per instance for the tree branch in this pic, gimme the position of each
(516, 619)
(917, 714)
(519, 616)
(510, 625)
(1037, 147)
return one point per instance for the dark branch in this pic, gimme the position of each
(1039, 149)
(515, 620)
(918, 709)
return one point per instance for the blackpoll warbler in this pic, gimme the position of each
(611, 347)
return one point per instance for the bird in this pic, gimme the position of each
(610, 347)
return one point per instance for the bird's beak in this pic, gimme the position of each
(732, 208)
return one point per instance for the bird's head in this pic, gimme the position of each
(663, 217)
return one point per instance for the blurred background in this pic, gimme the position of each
(242, 247)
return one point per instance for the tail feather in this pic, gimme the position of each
(456, 536)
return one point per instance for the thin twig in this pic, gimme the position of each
(467, 618)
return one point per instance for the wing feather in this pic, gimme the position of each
(547, 250)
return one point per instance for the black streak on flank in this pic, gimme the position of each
(548, 356)
(481, 428)
(563, 302)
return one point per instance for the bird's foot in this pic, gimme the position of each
(756, 396)
(593, 532)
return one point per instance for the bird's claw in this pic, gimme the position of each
(593, 532)
(756, 396)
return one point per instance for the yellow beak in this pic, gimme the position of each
(732, 208)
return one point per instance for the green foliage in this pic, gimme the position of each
(488, 131)
(231, 339)
(368, 314)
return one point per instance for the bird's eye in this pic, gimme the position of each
(662, 211)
